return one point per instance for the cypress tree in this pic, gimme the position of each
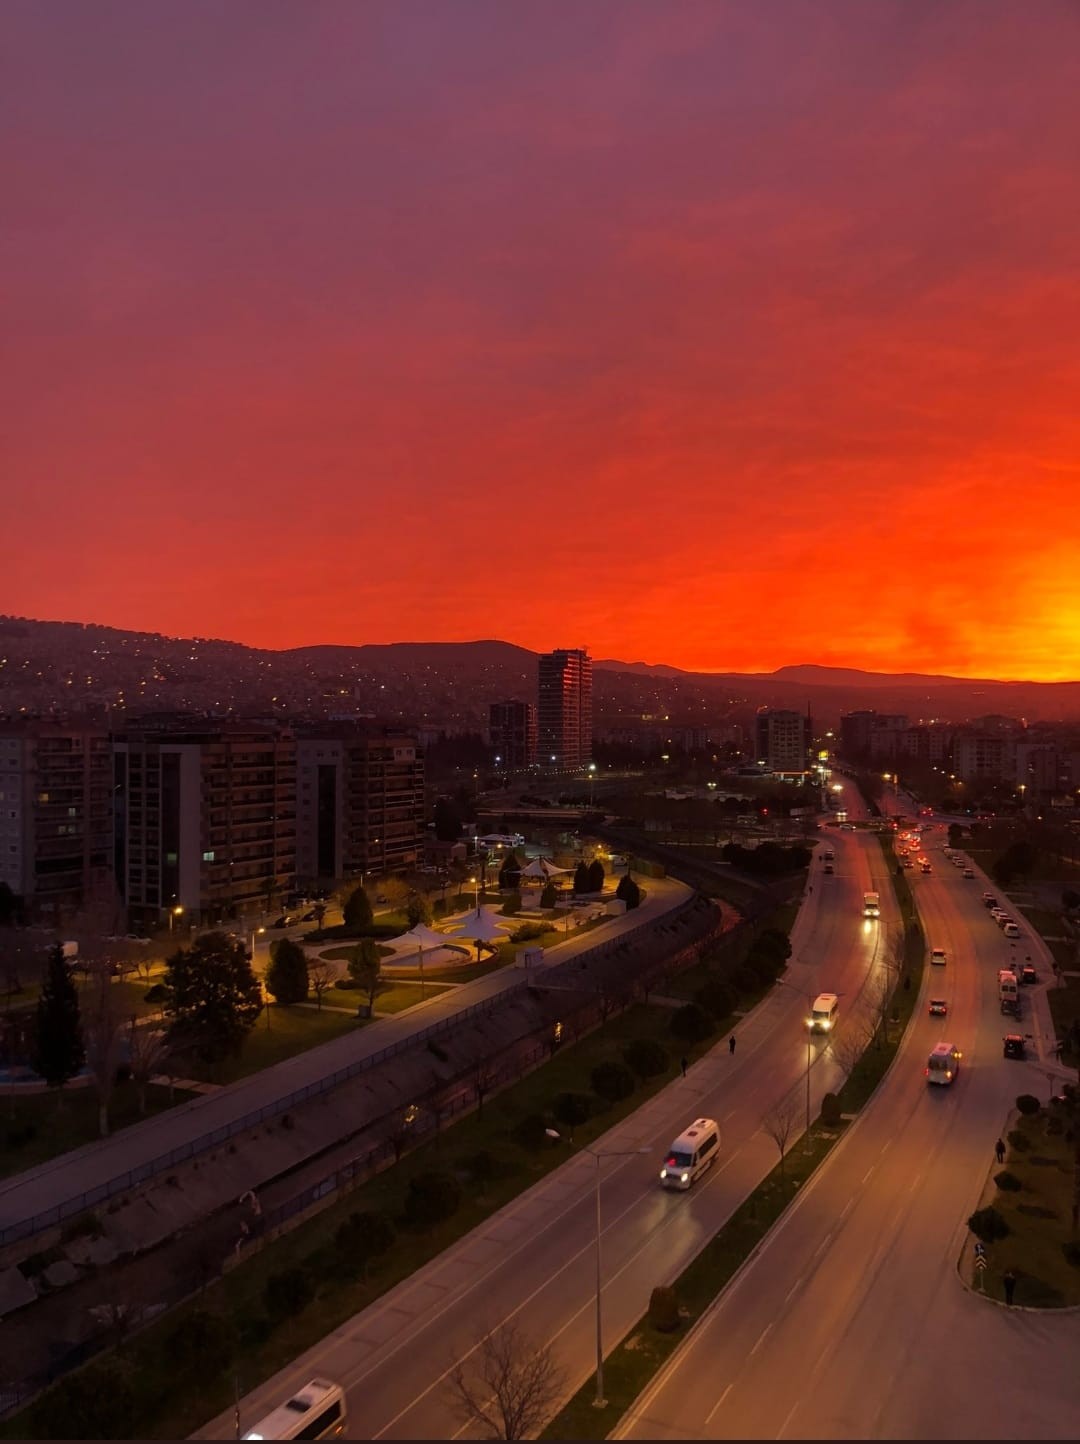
(59, 1051)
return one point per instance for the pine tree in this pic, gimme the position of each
(287, 975)
(596, 875)
(357, 910)
(581, 878)
(214, 999)
(59, 1051)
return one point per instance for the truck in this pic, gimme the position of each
(871, 905)
(1008, 992)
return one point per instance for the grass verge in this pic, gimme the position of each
(290, 1031)
(396, 998)
(33, 1129)
(1041, 1160)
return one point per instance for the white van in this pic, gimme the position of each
(1010, 929)
(691, 1153)
(823, 1014)
(943, 1064)
(317, 1411)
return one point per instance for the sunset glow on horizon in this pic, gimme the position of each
(719, 335)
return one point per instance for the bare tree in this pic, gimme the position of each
(102, 1030)
(848, 1046)
(780, 1123)
(400, 1127)
(482, 1075)
(147, 1056)
(508, 1386)
(320, 976)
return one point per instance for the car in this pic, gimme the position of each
(938, 1007)
(1014, 1046)
(281, 922)
(926, 867)
(1028, 974)
(937, 956)
(989, 900)
(969, 874)
(135, 938)
(906, 862)
(309, 917)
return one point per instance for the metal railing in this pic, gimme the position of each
(134, 1177)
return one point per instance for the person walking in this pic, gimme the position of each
(1009, 1280)
(683, 1062)
(999, 1149)
(731, 1044)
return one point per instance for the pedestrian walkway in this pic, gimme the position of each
(87, 1175)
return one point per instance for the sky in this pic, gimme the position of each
(721, 335)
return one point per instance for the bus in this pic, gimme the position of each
(317, 1411)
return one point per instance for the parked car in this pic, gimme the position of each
(1014, 1045)
(938, 1007)
(308, 917)
(969, 874)
(281, 922)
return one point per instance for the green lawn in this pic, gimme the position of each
(291, 1031)
(398, 997)
(337, 955)
(465, 974)
(55, 1131)
(1065, 1010)
(170, 1409)
(1038, 1219)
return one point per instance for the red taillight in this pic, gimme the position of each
(670, 1162)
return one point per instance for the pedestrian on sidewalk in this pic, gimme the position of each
(1009, 1280)
(731, 1044)
(683, 1062)
(999, 1149)
(810, 889)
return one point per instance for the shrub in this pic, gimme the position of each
(613, 1081)
(646, 1057)
(716, 997)
(746, 978)
(1019, 1142)
(664, 1310)
(1028, 1105)
(511, 904)
(362, 1237)
(288, 1293)
(529, 1133)
(830, 1111)
(254, 1329)
(528, 932)
(547, 897)
(573, 1108)
(1007, 1182)
(691, 1024)
(629, 891)
(988, 1225)
(432, 1198)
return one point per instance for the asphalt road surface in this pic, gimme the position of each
(852, 1321)
(534, 1260)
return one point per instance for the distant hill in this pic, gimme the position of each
(59, 666)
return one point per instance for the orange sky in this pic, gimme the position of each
(714, 334)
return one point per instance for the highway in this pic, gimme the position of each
(533, 1261)
(852, 1322)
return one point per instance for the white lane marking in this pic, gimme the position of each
(916, 1181)
(847, 1209)
(823, 1245)
(723, 1396)
(868, 1172)
(793, 1290)
(761, 1339)
(787, 1421)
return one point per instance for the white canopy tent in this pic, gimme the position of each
(425, 937)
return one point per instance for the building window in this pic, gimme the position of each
(208, 856)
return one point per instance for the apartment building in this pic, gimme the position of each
(783, 739)
(360, 801)
(55, 814)
(564, 710)
(204, 819)
(512, 731)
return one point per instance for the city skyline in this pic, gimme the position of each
(741, 336)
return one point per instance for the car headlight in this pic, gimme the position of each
(686, 1178)
(663, 1173)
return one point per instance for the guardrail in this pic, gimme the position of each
(132, 1178)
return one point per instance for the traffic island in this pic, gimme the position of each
(1025, 1226)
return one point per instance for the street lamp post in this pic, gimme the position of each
(174, 913)
(600, 1402)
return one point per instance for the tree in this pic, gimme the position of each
(320, 976)
(214, 998)
(103, 1033)
(357, 910)
(418, 910)
(319, 909)
(510, 872)
(547, 896)
(363, 1237)
(396, 893)
(780, 1123)
(596, 876)
(59, 1051)
(629, 891)
(146, 1057)
(432, 1198)
(646, 1057)
(287, 973)
(365, 969)
(507, 1386)
(10, 906)
(691, 1023)
(848, 1046)
(581, 878)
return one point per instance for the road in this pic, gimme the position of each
(852, 1321)
(534, 1259)
(36, 1190)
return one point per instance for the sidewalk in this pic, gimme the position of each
(79, 1179)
